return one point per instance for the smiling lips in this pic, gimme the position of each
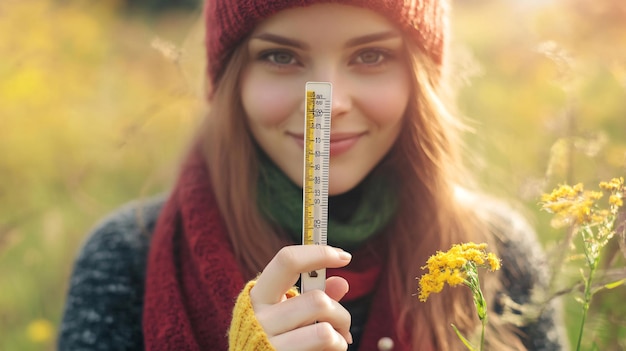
(339, 142)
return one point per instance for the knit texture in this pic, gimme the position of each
(192, 277)
(245, 333)
(353, 217)
(228, 22)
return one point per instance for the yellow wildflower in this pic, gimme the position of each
(616, 200)
(494, 261)
(40, 331)
(595, 225)
(614, 185)
(575, 206)
(571, 205)
(453, 265)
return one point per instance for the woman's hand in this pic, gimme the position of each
(312, 321)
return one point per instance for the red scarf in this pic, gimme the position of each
(192, 278)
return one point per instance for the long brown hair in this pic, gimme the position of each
(426, 162)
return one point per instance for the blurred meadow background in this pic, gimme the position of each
(98, 99)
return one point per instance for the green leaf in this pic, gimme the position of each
(463, 339)
(614, 285)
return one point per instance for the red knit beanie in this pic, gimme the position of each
(228, 22)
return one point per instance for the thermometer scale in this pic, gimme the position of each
(316, 174)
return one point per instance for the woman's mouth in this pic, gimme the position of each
(339, 142)
(343, 142)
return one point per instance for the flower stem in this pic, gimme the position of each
(482, 334)
(587, 301)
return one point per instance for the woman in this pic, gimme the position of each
(166, 276)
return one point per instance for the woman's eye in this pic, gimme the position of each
(280, 58)
(371, 57)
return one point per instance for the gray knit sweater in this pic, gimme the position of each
(104, 304)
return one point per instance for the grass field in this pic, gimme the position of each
(97, 104)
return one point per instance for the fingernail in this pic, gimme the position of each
(344, 255)
(350, 341)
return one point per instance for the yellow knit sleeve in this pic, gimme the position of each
(245, 333)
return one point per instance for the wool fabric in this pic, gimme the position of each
(353, 217)
(246, 333)
(228, 22)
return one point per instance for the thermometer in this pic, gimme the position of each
(316, 174)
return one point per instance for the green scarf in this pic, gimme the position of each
(353, 217)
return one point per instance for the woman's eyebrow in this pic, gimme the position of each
(278, 39)
(372, 38)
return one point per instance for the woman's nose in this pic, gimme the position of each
(342, 100)
(341, 92)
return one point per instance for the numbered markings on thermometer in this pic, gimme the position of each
(316, 174)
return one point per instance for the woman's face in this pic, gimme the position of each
(361, 53)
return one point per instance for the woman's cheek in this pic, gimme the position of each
(270, 103)
(384, 99)
(385, 107)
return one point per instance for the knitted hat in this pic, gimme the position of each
(228, 22)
